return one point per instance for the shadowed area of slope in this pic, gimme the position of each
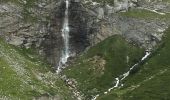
(96, 69)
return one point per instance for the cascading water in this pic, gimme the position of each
(122, 77)
(65, 34)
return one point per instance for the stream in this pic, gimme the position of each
(124, 76)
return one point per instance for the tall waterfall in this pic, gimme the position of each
(65, 35)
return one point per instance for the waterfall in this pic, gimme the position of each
(65, 35)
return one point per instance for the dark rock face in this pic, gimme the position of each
(78, 27)
(53, 43)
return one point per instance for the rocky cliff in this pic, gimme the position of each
(38, 24)
(26, 23)
(114, 19)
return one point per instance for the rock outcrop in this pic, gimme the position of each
(107, 20)
(26, 23)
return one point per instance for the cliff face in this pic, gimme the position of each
(78, 35)
(26, 23)
(38, 23)
(127, 18)
(79, 27)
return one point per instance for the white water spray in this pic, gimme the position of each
(65, 34)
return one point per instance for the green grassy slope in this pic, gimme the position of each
(96, 69)
(23, 76)
(111, 2)
(144, 14)
(151, 82)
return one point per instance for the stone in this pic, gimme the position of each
(17, 41)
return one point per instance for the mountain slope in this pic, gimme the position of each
(36, 24)
(153, 76)
(96, 70)
(23, 76)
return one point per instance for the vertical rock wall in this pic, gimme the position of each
(78, 27)
(53, 43)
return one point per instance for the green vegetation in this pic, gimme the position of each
(96, 69)
(23, 76)
(105, 1)
(158, 0)
(28, 2)
(27, 7)
(144, 14)
(27, 14)
(151, 82)
(165, 1)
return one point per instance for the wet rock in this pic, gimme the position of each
(78, 27)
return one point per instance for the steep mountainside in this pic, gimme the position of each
(24, 76)
(113, 49)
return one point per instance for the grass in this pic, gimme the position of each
(165, 1)
(105, 1)
(96, 69)
(28, 2)
(23, 77)
(160, 1)
(144, 14)
(151, 82)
